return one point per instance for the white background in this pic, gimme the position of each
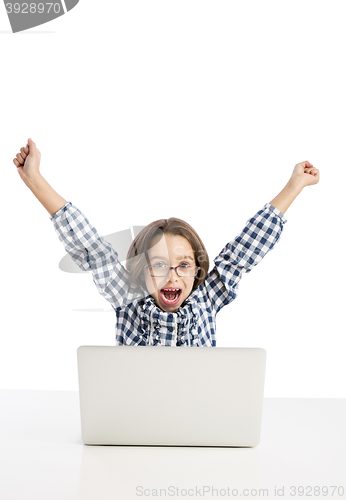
(219, 100)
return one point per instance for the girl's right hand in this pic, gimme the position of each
(28, 161)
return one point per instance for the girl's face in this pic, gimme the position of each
(170, 291)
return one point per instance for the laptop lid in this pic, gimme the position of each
(171, 396)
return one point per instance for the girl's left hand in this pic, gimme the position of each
(305, 174)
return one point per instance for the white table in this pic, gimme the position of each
(42, 455)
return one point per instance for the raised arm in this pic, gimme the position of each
(304, 174)
(28, 166)
(260, 235)
(89, 250)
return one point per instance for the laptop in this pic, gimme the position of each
(171, 396)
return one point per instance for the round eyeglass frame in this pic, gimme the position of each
(169, 268)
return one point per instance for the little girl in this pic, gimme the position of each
(165, 296)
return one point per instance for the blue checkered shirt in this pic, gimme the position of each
(139, 320)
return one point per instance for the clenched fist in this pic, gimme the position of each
(28, 161)
(306, 174)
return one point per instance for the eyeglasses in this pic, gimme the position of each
(183, 270)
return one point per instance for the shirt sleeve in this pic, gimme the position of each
(92, 252)
(242, 254)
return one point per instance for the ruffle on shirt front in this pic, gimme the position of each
(169, 329)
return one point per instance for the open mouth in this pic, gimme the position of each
(170, 296)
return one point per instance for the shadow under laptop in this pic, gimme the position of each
(110, 472)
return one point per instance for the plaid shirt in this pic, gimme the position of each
(139, 320)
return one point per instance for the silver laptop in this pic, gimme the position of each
(171, 396)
